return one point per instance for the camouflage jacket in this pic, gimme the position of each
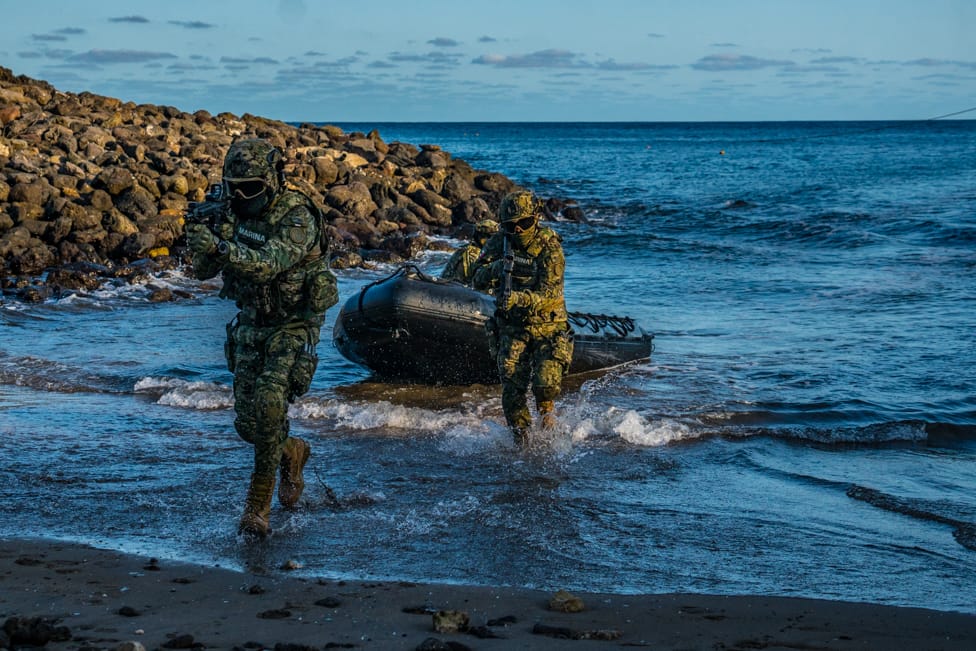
(275, 268)
(461, 265)
(537, 279)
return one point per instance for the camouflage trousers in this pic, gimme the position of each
(272, 367)
(539, 358)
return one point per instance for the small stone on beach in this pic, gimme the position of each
(451, 621)
(565, 602)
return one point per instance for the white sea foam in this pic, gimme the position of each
(174, 392)
(382, 414)
(632, 427)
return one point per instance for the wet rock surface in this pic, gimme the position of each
(91, 186)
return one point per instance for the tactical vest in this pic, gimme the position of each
(301, 292)
(526, 274)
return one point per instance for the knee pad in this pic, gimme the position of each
(270, 405)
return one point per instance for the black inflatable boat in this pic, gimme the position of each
(413, 327)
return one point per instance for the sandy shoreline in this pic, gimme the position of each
(105, 598)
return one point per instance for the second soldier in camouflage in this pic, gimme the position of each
(528, 334)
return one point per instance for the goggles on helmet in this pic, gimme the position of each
(519, 225)
(245, 188)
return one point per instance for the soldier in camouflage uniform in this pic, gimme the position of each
(528, 334)
(461, 265)
(274, 262)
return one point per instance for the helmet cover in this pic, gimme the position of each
(516, 206)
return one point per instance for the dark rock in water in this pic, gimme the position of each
(559, 209)
(574, 214)
(129, 611)
(36, 294)
(68, 278)
(378, 255)
(160, 295)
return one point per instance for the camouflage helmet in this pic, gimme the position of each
(253, 159)
(517, 206)
(486, 228)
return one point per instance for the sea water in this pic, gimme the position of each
(806, 425)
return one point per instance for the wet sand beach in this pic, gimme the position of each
(98, 599)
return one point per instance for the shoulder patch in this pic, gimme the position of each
(296, 234)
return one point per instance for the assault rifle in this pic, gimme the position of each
(210, 212)
(507, 266)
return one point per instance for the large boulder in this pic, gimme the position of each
(353, 200)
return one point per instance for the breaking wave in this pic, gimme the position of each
(175, 392)
(943, 512)
(59, 377)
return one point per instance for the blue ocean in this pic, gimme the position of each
(806, 425)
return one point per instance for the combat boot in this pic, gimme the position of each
(521, 436)
(293, 459)
(546, 410)
(257, 507)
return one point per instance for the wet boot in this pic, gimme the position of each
(521, 436)
(547, 410)
(293, 459)
(257, 507)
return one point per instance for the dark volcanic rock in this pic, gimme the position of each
(92, 179)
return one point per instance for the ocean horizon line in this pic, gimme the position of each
(628, 122)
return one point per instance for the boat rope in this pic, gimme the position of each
(366, 287)
(400, 271)
(623, 325)
(420, 274)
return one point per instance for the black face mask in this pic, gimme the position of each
(249, 208)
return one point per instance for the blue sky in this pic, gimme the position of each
(545, 60)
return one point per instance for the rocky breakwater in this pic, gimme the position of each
(94, 188)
